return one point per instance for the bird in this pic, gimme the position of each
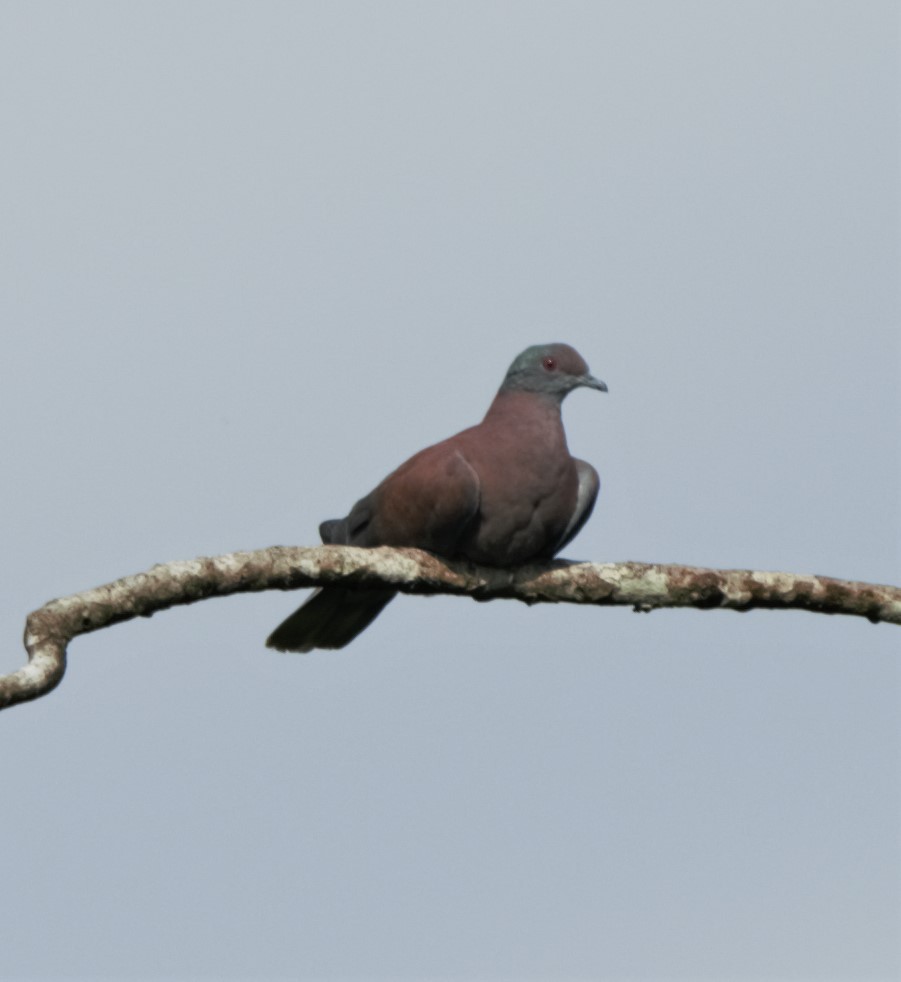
(501, 493)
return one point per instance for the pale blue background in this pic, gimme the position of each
(253, 256)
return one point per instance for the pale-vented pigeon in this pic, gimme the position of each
(501, 493)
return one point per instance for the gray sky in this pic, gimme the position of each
(256, 254)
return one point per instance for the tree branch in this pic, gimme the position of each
(642, 586)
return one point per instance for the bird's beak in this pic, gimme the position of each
(590, 382)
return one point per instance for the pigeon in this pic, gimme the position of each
(501, 493)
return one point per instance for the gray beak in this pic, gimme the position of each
(590, 382)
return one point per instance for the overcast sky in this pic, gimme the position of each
(254, 255)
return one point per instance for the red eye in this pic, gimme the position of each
(549, 363)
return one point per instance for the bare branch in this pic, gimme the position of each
(642, 586)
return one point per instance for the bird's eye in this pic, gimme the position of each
(549, 363)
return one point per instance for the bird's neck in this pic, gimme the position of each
(513, 407)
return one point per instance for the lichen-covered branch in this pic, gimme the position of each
(641, 586)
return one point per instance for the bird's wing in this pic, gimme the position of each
(427, 503)
(586, 495)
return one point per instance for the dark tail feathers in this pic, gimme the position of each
(333, 532)
(331, 618)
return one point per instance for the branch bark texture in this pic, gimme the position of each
(642, 586)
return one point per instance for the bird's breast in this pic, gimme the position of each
(528, 492)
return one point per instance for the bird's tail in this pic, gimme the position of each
(333, 531)
(331, 618)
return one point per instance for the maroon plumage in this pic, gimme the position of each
(501, 493)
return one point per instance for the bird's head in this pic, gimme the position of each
(550, 369)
